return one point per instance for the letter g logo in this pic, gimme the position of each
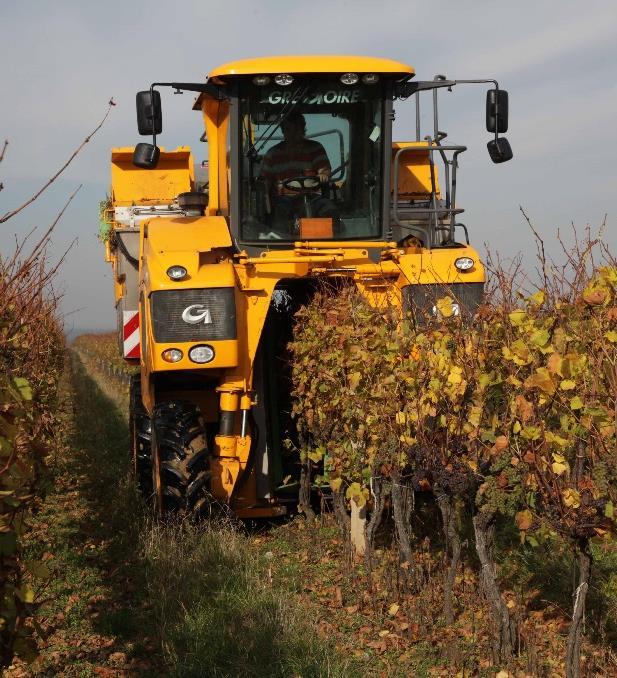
(197, 313)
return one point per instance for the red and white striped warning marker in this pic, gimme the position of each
(130, 321)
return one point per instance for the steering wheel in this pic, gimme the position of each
(302, 185)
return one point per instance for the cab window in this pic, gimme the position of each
(311, 159)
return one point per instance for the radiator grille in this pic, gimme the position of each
(420, 299)
(169, 305)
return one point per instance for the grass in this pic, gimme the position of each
(132, 595)
(221, 613)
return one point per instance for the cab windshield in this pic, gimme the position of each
(311, 160)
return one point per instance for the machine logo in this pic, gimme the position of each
(196, 313)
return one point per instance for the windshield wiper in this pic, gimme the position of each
(297, 97)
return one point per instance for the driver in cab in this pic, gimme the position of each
(296, 157)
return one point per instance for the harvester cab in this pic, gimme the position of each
(304, 183)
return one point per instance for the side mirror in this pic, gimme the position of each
(497, 110)
(499, 150)
(146, 156)
(149, 113)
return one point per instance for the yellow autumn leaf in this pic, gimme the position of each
(554, 364)
(445, 307)
(611, 335)
(401, 417)
(540, 338)
(559, 468)
(517, 317)
(567, 385)
(335, 484)
(455, 375)
(353, 490)
(542, 380)
(594, 296)
(537, 298)
(26, 593)
(571, 498)
(576, 403)
(524, 519)
(354, 380)
(393, 609)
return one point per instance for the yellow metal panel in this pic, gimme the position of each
(132, 185)
(312, 64)
(187, 234)
(414, 177)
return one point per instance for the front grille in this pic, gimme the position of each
(167, 308)
(420, 299)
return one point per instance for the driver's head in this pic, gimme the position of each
(294, 127)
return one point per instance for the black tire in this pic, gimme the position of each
(140, 429)
(181, 460)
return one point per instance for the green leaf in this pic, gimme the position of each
(609, 510)
(576, 403)
(23, 387)
(540, 337)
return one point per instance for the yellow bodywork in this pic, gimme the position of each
(173, 175)
(322, 63)
(203, 246)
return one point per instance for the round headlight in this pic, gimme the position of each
(464, 263)
(201, 354)
(176, 272)
(283, 79)
(261, 80)
(172, 355)
(349, 78)
(370, 78)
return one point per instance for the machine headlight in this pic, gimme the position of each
(172, 355)
(201, 354)
(464, 263)
(176, 272)
(349, 78)
(261, 80)
(283, 79)
(370, 78)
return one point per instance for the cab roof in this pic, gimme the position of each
(311, 64)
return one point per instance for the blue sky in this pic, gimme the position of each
(62, 61)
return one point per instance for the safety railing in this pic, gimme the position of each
(439, 217)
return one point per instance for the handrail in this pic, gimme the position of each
(433, 211)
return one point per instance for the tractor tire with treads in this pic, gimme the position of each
(140, 430)
(181, 460)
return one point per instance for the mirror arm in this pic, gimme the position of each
(204, 87)
(152, 99)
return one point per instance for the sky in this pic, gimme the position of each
(61, 62)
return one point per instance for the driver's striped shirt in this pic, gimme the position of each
(281, 162)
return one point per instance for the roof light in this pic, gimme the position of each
(201, 354)
(283, 79)
(464, 263)
(176, 272)
(370, 78)
(261, 80)
(172, 355)
(350, 78)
